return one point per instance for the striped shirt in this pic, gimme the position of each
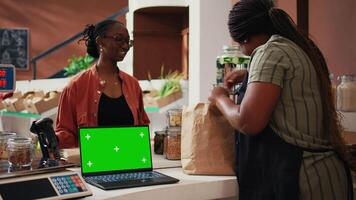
(297, 117)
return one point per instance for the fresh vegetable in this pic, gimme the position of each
(171, 84)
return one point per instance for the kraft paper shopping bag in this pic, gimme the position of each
(208, 142)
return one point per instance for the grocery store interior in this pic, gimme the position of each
(178, 51)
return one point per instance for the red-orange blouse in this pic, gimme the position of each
(78, 106)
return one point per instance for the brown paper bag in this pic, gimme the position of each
(207, 141)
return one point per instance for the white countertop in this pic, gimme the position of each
(190, 187)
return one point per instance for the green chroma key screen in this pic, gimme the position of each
(119, 148)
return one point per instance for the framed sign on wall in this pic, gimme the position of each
(14, 47)
(7, 78)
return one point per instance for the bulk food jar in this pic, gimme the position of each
(4, 137)
(172, 143)
(20, 151)
(333, 88)
(231, 58)
(346, 94)
(158, 140)
(174, 117)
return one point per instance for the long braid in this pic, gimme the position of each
(285, 27)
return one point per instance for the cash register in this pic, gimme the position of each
(46, 178)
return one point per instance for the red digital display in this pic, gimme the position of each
(3, 83)
(2, 73)
(7, 78)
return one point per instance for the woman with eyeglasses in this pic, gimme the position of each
(289, 143)
(102, 95)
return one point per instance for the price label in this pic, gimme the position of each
(7, 78)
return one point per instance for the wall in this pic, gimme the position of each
(289, 6)
(207, 35)
(51, 22)
(158, 40)
(332, 26)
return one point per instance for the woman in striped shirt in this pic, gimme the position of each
(288, 133)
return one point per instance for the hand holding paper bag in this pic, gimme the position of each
(208, 142)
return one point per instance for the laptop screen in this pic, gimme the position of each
(105, 149)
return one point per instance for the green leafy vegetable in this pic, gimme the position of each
(172, 84)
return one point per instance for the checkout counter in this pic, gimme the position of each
(46, 180)
(190, 187)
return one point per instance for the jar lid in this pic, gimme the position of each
(347, 77)
(19, 142)
(175, 111)
(231, 48)
(174, 130)
(6, 134)
(163, 132)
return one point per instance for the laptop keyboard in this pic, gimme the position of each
(123, 177)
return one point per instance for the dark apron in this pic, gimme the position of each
(267, 167)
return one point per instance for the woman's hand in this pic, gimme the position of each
(234, 77)
(216, 93)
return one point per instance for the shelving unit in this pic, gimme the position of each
(348, 121)
(20, 122)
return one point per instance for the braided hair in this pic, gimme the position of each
(253, 17)
(91, 32)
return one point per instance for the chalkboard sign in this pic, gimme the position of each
(14, 47)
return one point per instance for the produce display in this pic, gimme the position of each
(171, 85)
(170, 91)
(32, 101)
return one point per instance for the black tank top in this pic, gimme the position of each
(114, 111)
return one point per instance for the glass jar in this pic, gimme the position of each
(4, 137)
(346, 94)
(333, 88)
(231, 58)
(158, 140)
(20, 151)
(174, 117)
(172, 144)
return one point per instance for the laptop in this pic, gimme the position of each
(118, 157)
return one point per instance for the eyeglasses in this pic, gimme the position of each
(120, 40)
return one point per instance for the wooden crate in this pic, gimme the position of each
(160, 102)
(47, 102)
